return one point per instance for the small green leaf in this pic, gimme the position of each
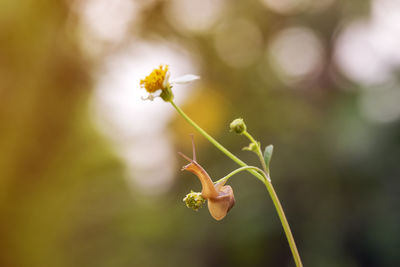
(268, 155)
(252, 147)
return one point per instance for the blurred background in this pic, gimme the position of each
(89, 173)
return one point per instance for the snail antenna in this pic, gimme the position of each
(185, 157)
(193, 147)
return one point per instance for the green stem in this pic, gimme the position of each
(258, 152)
(245, 168)
(284, 222)
(277, 203)
(263, 177)
(215, 142)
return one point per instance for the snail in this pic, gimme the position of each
(219, 196)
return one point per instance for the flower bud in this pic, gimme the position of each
(194, 200)
(252, 147)
(238, 126)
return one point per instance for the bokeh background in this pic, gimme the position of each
(89, 174)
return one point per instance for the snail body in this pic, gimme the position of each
(219, 196)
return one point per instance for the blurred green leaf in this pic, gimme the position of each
(268, 155)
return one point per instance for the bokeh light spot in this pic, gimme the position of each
(290, 7)
(193, 15)
(356, 56)
(296, 53)
(284, 6)
(107, 20)
(239, 43)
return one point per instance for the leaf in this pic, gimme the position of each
(252, 147)
(268, 155)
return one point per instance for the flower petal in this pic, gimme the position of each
(185, 79)
(151, 96)
(166, 79)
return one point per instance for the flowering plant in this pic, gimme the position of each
(219, 196)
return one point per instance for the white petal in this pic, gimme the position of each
(151, 96)
(157, 93)
(166, 79)
(185, 79)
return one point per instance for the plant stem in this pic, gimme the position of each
(276, 202)
(215, 142)
(259, 153)
(245, 168)
(263, 177)
(284, 222)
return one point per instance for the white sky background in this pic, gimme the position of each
(366, 51)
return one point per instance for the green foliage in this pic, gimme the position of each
(252, 147)
(268, 155)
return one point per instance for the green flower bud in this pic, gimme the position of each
(238, 126)
(194, 200)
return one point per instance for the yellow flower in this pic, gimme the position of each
(158, 79)
(157, 83)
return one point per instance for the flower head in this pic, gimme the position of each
(194, 200)
(156, 80)
(157, 83)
